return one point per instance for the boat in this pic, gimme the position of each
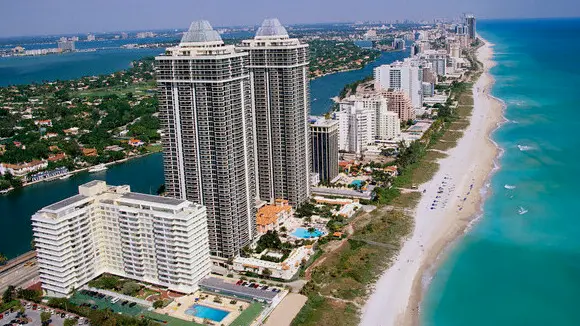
(98, 168)
(66, 176)
(522, 210)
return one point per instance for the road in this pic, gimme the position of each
(19, 272)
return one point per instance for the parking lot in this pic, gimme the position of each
(100, 301)
(33, 318)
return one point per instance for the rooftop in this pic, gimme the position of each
(271, 27)
(153, 199)
(223, 286)
(201, 31)
(67, 202)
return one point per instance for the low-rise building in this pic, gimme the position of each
(269, 217)
(21, 170)
(284, 270)
(109, 229)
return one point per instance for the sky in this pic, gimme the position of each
(48, 17)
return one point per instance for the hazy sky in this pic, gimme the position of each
(39, 17)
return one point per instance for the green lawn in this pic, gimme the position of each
(248, 315)
(168, 320)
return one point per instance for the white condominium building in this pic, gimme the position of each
(405, 76)
(437, 59)
(364, 120)
(109, 229)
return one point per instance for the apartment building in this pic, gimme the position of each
(365, 120)
(401, 75)
(278, 67)
(109, 229)
(206, 111)
(399, 102)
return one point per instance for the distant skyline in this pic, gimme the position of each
(41, 17)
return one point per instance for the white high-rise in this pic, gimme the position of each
(404, 76)
(364, 121)
(206, 111)
(109, 229)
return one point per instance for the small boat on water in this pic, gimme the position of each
(66, 176)
(98, 168)
(522, 210)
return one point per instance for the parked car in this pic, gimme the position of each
(132, 304)
(124, 302)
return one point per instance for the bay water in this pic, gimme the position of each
(142, 174)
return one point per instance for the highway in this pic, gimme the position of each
(21, 271)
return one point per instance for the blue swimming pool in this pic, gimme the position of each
(357, 183)
(303, 233)
(210, 313)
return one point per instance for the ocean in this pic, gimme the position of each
(17, 207)
(520, 263)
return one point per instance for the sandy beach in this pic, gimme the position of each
(452, 199)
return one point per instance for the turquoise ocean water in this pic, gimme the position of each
(512, 268)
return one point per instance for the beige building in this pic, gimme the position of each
(109, 229)
(400, 103)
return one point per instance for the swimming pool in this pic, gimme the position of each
(201, 311)
(303, 233)
(357, 183)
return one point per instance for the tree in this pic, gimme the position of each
(130, 288)
(311, 230)
(3, 259)
(161, 190)
(158, 304)
(70, 322)
(44, 316)
(266, 272)
(8, 294)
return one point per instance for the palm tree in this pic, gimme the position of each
(3, 259)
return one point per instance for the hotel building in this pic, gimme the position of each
(278, 67)
(205, 104)
(109, 229)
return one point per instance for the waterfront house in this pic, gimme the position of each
(21, 170)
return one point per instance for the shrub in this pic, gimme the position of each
(130, 288)
(158, 304)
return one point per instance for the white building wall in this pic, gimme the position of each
(404, 76)
(111, 230)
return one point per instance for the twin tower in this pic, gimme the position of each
(235, 122)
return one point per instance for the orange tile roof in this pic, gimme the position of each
(90, 152)
(268, 214)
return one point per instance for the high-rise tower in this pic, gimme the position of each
(208, 146)
(471, 29)
(278, 68)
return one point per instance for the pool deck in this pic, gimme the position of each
(178, 311)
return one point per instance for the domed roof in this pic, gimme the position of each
(200, 31)
(271, 27)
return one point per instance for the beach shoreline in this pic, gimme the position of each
(452, 200)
